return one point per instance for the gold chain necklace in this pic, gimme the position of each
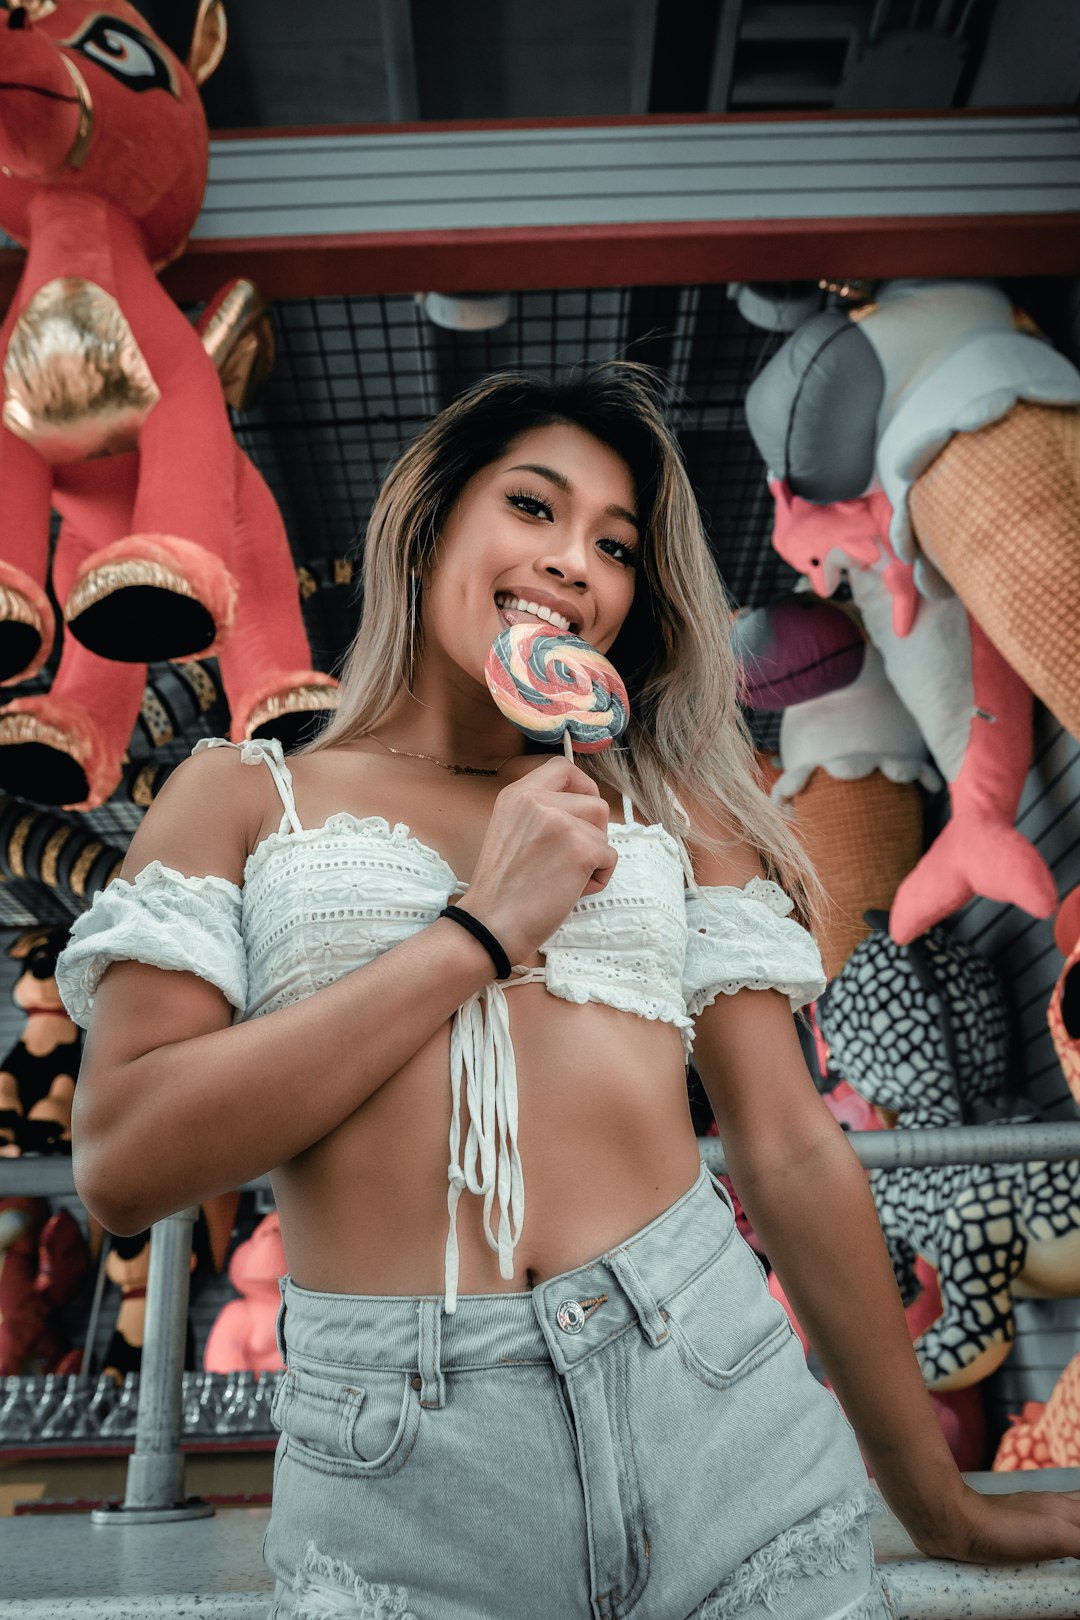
(455, 770)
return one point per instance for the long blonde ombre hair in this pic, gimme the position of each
(686, 734)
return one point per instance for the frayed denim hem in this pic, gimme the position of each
(829, 1542)
(326, 1587)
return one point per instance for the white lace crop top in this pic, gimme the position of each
(319, 902)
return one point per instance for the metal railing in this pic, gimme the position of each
(155, 1476)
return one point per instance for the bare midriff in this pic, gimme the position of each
(606, 1144)
(604, 1128)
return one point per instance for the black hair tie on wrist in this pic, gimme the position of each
(484, 935)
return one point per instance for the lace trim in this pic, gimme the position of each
(400, 836)
(154, 871)
(651, 1008)
(162, 917)
(343, 822)
(799, 992)
(745, 939)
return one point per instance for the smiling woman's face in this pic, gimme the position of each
(547, 533)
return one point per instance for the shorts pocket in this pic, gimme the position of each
(350, 1430)
(725, 1322)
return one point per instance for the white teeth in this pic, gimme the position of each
(518, 605)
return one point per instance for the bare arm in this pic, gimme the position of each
(176, 1104)
(809, 1200)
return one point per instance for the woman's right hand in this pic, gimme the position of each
(546, 845)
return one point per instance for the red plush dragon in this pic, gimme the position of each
(113, 412)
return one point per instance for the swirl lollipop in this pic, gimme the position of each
(554, 686)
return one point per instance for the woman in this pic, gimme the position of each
(583, 1401)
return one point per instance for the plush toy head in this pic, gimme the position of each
(794, 650)
(919, 1030)
(37, 1075)
(91, 100)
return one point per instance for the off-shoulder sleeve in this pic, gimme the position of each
(163, 918)
(740, 939)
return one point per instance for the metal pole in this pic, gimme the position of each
(155, 1474)
(953, 1144)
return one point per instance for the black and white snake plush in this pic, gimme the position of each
(922, 1031)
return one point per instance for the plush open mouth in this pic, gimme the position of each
(37, 90)
(519, 610)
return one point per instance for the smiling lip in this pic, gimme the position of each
(542, 599)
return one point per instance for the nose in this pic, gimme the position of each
(567, 559)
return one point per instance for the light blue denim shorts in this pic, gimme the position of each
(639, 1436)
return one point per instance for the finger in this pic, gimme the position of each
(601, 876)
(558, 774)
(595, 811)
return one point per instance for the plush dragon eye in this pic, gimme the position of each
(128, 55)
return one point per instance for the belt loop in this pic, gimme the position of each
(432, 1382)
(653, 1324)
(279, 1323)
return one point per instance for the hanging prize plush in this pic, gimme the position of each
(243, 1334)
(851, 756)
(843, 512)
(970, 424)
(38, 1074)
(42, 1261)
(104, 151)
(920, 1031)
(1046, 1434)
(973, 710)
(114, 413)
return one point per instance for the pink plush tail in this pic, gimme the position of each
(965, 860)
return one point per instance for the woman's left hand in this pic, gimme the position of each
(1020, 1527)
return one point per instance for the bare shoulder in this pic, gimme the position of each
(720, 851)
(203, 821)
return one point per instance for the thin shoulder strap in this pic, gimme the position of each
(264, 751)
(627, 810)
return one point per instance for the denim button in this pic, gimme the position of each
(570, 1316)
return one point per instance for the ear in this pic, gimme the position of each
(208, 41)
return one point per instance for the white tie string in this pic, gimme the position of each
(482, 1056)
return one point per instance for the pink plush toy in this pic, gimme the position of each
(67, 746)
(940, 394)
(974, 712)
(113, 410)
(1046, 1434)
(243, 1336)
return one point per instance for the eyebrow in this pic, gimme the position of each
(561, 481)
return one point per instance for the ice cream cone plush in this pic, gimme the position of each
(67, 746)
(972, 429)
(103, 160)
